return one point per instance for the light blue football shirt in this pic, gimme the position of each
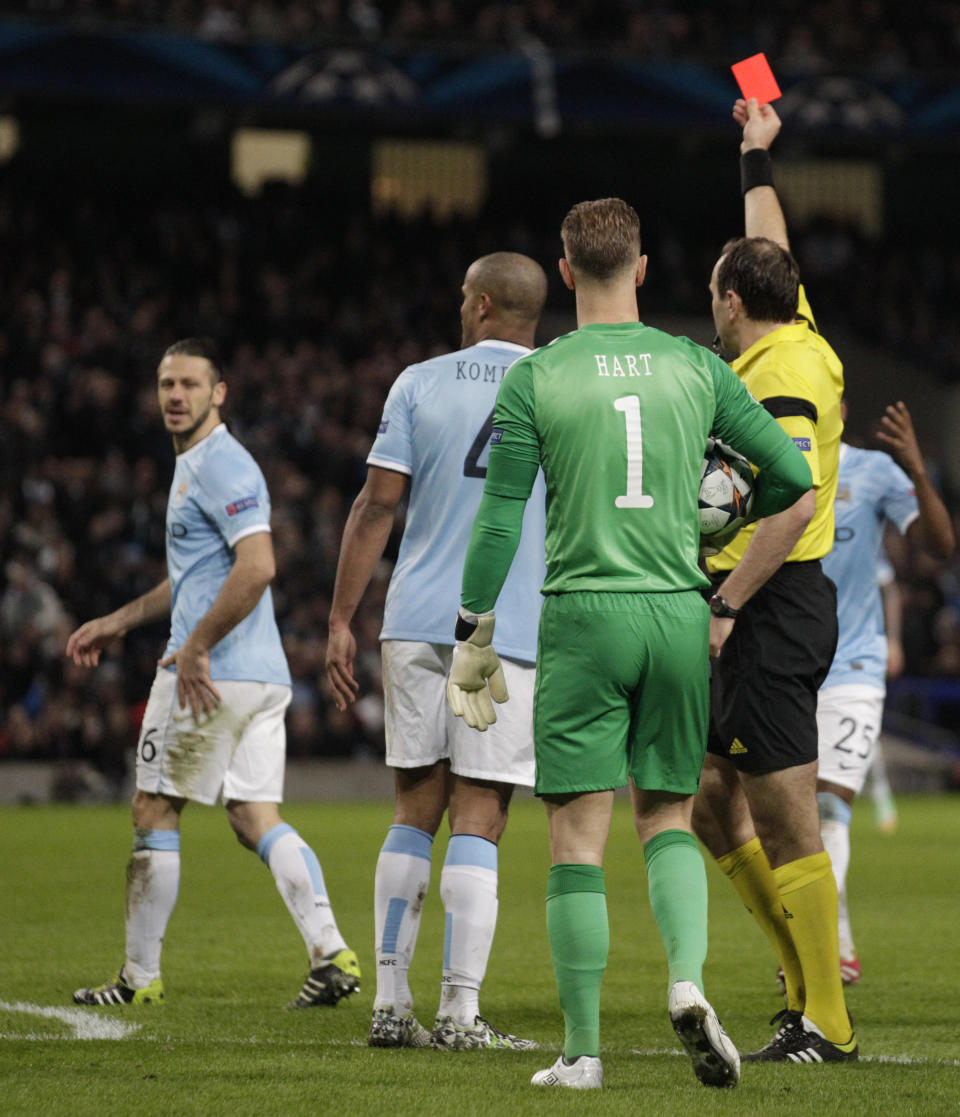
(872, 489)
(436, 428)
(219, 496)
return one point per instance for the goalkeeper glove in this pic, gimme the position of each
(476, 674)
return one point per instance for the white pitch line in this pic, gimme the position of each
(905, 1060)
(910, 1060)
(902, 1060)
(85, 1025)
(34, 1036)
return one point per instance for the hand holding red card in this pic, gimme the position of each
(756, 79)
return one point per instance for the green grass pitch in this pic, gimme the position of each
(223, 1044)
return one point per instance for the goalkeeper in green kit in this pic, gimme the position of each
(617, 414)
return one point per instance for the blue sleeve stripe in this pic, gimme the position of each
(269, 839)
(468, 849)
(409, 840)
(156, 839)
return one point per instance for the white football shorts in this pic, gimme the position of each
(239, 749)
(420, 727)
(848, 724)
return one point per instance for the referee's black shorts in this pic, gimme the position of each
(763, 688)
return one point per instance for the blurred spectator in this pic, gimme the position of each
(315, 337)
(315, 329)
(878, 36)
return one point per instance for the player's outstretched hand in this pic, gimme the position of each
(194, 685)
(341, 653)
(896, 431)
(760, 123)
(476, 676)
(85, 645)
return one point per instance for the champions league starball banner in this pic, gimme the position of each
(527, 86)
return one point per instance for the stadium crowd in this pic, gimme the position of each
(314, 330)
(868, 278)
(879, 37)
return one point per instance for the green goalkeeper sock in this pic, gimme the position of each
(579, 937)
(678, 897)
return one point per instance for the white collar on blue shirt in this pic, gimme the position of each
(203, 442)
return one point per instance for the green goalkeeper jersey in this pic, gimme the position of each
(618, 416)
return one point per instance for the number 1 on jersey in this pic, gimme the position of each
(634, 496)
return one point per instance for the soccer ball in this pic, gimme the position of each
(726, 493)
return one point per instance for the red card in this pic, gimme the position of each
(756, 79)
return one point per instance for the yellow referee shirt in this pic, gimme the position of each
(795, 374)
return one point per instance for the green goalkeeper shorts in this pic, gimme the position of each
(622, 689)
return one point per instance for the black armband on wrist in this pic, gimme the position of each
(756, 169)
(465, 629)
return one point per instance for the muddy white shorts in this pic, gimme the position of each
(421, 728)
(848, 724)
(239, 750)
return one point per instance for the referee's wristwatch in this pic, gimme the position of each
(720, 607)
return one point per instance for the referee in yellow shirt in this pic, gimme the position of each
(773, 631)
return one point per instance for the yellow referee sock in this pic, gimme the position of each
(750, 874)
(808, 892)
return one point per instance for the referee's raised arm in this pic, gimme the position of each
(762, 211)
